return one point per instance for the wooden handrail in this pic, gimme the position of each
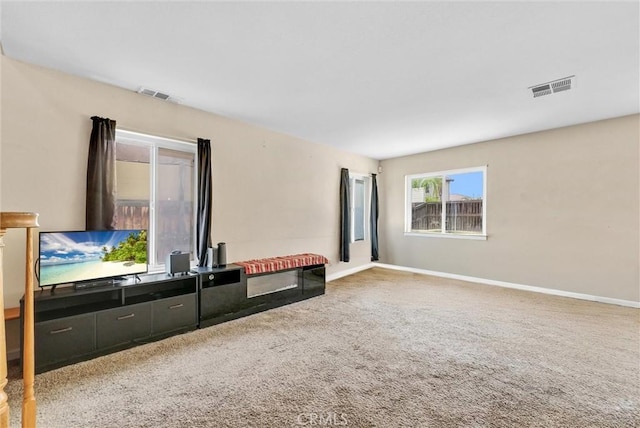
(12, 313)
(28, 221)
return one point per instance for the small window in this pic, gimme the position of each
(451, 203)
(156, 191)
(358, 195)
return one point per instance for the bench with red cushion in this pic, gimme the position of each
(275, 264)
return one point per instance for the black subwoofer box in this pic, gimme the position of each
(177, 263)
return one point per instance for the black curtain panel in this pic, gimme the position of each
(345, 231)
(203, 228)
(374, 218)
(101, 176)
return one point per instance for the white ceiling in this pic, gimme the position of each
(379, 79)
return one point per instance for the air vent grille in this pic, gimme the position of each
(548, 88)
(561, 85)
(157, 94)
(541, 90)
(148, 92)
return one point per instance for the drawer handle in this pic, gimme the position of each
(124, 317)
(179, 305)
(62, 330)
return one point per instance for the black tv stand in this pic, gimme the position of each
(79, 323)
(94, 284)
(75, 324)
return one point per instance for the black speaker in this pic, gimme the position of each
(177, 262)
(222, 254)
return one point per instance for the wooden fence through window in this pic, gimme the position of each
(462, 216)
(132, 214)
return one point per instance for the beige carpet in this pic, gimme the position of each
(381, 348)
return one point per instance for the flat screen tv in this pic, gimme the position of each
(85, 256)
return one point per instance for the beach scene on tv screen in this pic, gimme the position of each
(67, 257)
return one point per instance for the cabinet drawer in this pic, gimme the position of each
(222, 299)
(64, 338)
(313, 280)
(174, 313)
(123, 325)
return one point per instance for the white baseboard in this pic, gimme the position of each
(348, 272)
(555, 292)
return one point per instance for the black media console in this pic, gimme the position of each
(73, 325)
(226, 293)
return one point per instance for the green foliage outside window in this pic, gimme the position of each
(432, 186)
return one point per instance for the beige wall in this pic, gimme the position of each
(272, 195)
(563, 205)
(562, 210)
(12, 327)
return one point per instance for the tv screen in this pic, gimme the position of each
(72, 257)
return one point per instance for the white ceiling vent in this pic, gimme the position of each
(552, 87)
(156, 94)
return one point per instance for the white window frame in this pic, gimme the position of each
(367, 205)
(444, 233)
(155, 143)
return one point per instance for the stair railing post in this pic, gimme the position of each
(28, 221)
(28, 356)
(4, 405)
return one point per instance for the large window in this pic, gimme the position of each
(156, 191)
(447, 203)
